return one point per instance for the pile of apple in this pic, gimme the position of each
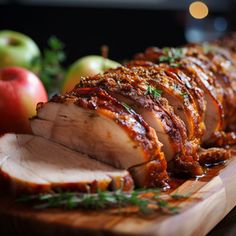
(21, 88)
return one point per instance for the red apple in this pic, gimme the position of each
(20, 91)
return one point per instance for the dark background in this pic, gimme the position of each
(84, 26)
(84, 30)
(127, 27)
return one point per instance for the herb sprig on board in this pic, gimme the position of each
(146, 200)
(52, 70)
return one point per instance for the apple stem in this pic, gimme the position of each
(104, 51)
(13, 42)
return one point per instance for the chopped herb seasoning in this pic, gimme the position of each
(153, 91)
(171, 55)
(207, 48)
(177, 88)
(184, 95)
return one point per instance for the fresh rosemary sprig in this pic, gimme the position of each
(153, 91)
(52, 71)
(171, 55)
(146, 200)
(178, 196)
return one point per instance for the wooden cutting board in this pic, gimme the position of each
(210, 201)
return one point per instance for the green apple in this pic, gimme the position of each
(86, 66)
(17, 49)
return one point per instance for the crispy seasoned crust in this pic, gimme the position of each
(124, 82)
(132, 81)
(151, 173)
(199, 77)
(220, 63)
(213, 156)
(157, 77)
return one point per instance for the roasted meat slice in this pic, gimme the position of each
(221, 64)
(90, 121)
(34, 164)
(214, 108)
(191, 86)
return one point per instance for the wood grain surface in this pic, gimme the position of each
(209, 203)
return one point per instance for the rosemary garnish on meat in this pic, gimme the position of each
(153, 91)
(146, 200)
(171, 55)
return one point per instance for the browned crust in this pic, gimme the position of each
(129, 83)
(191, 85)
(157, 77)
(213, 156)
(123, 81)
(152, 173)
(222, 139)
(193, 67)
(187, 164)
(222, 66)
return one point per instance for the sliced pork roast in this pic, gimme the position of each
(34, 164)
(136, 87)
(221, 63)
(130, 89)
(92, 122)
(200, 77)
(167, 100)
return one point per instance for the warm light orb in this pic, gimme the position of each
(198, 10)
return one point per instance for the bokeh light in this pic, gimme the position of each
(198, 10)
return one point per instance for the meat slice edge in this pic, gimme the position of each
(33, 164)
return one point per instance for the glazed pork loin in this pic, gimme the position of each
(168, 108)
